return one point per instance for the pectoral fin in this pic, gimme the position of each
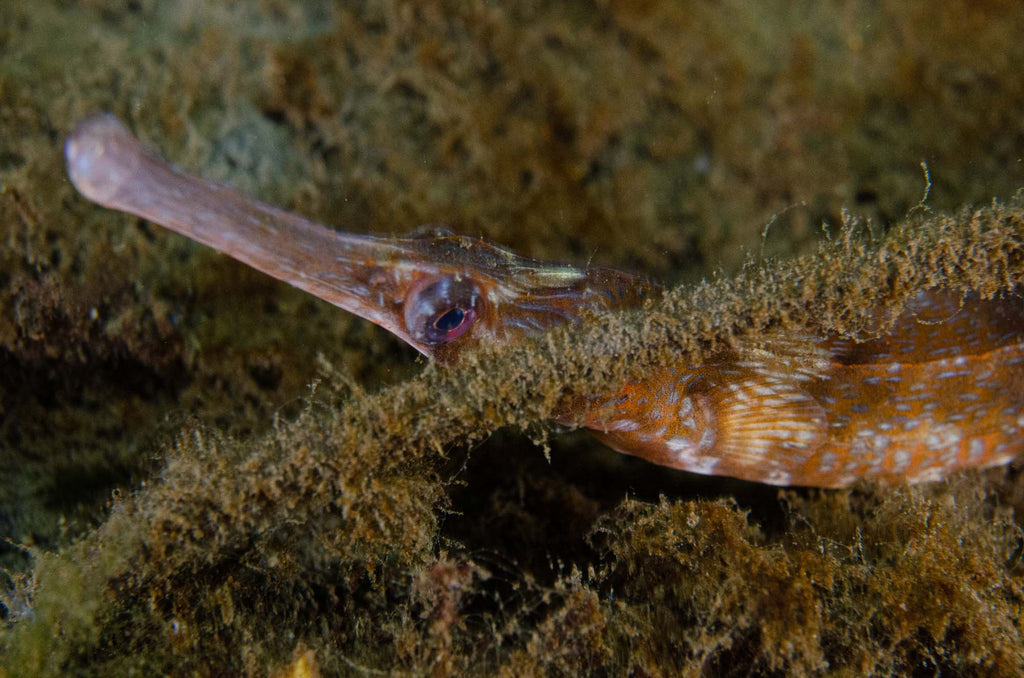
(755, 426)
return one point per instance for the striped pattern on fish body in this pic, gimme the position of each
(942, 390)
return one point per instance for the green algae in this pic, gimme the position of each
(190, 507)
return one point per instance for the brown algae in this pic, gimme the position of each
(321, 526)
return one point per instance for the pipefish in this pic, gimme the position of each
(941, 390)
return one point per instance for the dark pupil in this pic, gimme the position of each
(449, 320)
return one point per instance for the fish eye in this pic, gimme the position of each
(450, 321)
(441, 310)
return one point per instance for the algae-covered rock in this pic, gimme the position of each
(321, 525)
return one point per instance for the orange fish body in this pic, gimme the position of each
(940, 391)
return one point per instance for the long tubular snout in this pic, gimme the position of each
(112, 168)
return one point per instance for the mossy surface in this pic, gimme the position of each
(208, 472)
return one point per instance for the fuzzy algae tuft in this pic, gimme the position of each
(328, 534)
